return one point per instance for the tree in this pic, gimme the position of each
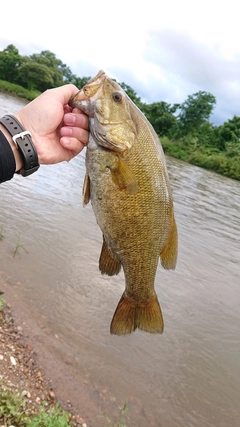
(195, 111)
(67, 74)
(161, 116)
(80, 81)
(10, 60)
(49, 60)
(36, 76)
(230, 130)
(132, 94)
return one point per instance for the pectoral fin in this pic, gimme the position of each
(86, 190)
(169, 254)
(124, 178)
(108, 264)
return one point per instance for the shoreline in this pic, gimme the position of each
(27, 365)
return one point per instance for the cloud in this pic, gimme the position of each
(166, 64)
(187, 66)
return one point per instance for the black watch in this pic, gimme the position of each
(23, 140)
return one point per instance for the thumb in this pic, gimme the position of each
(63, 93)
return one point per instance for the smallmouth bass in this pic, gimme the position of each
(128, 185)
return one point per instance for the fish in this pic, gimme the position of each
(128, 185)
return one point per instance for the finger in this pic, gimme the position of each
(75, 132)
(76, 120)
(76, 111)
(67, 109)
(73, 145)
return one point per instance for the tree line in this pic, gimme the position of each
(185, 129)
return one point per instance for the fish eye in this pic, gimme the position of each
(117, 97)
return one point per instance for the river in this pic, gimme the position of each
(187, 377)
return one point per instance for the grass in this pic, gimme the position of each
(225, 162)
(19, 246)
(2, 235)
(121, 422)
(2, 301)
(13, 412)
(18, 90)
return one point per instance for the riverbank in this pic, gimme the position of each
(28, 396)
(189, 149)
(17, 90)
(226, 163)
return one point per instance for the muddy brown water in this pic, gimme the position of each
(189, 376)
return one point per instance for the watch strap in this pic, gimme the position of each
(24, 143)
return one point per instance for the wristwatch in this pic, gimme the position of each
(23, 141)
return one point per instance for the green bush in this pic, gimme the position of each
(189, 149)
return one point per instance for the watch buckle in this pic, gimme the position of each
(20, 135)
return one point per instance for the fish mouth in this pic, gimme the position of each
(83, 100)
(76, 101)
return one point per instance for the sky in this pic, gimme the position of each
(165, 51)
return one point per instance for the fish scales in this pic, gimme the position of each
(128, 185)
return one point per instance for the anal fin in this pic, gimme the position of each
(169, 254)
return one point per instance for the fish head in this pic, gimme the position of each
(108, 108)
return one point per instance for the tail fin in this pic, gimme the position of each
(131, 314)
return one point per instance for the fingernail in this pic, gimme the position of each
(69, 119)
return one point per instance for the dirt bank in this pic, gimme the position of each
(27, 363)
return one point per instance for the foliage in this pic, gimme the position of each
(132, 94)
(189, 134)
(36, 76)
(55, 417)
(2, 300)
(52, 68)
(230, 131)
(10, 60)
(12, 408)
(13, 412)
(190, 150)
(161, 116)
(79, 81)
(195, 111)
(18, 90)
(40, 71)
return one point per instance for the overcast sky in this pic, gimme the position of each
(164, 50)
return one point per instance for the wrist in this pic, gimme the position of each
(17, 155)
(24, 146)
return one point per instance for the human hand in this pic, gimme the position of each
(58, 132)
